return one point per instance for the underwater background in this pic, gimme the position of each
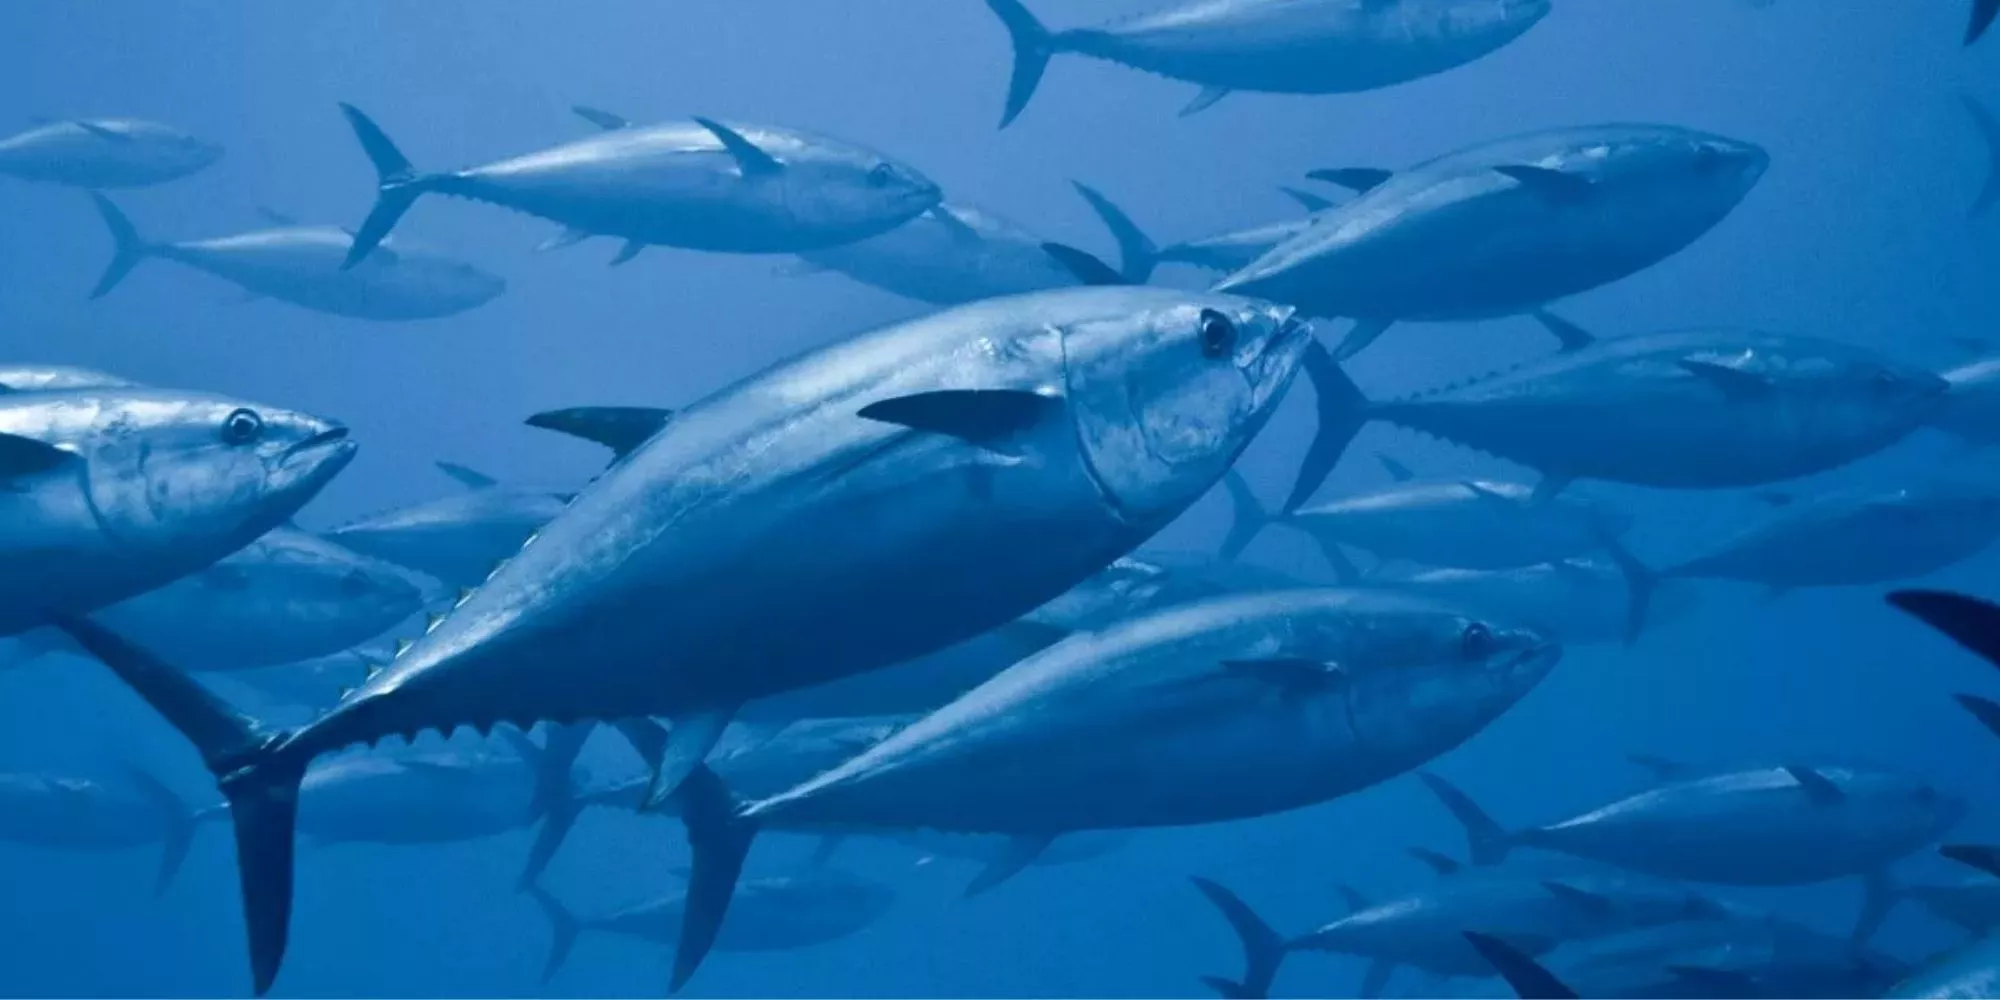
(1858, 233)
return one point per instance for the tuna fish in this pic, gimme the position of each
(775, 913)
(1752, 955)
(75, 814)
(699, 184)
(1275, 46)
(302, 265)
(1503, 228)
(1793, 825)
(857, 506)
(1969, 621)
(1702, 409)
(288, 596)
(1425, 929)
(109, 493)
(1858, 539)
(1223, 709)
(1461, 524)
(104, 153)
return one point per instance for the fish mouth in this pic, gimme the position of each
(331, 436)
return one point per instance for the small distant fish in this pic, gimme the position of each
(302, 265)
(1752, 955)
(1466, 523)
(106, 493)
(1858, 539)
(105, 153)
(1230, 708)
(1793, 825)
(699, 184)
(775, 913)
(1275, 46)
(1503, 228)
(75, 814)
(1700, 409)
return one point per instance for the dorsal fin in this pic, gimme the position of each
(469, 478)
(601, 118)
(752, 161)
(1572, 336)
(1308, 200)
(1352, 178)
(619, 428)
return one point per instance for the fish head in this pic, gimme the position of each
(855, 190)
(1168, 389)
(1862, 397)
(1487, 23)
(1427, 676)
(1935, 810)
(315, 578)
(174, 471)
(188, 153)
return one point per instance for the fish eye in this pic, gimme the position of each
(1218, 334)
(242, 427)
(881, 175)
(1476, 642)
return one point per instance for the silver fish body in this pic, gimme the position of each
(105, 153)
(1148, 723)
(1460, 238)
(792, 540)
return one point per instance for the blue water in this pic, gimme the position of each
(1857, 233)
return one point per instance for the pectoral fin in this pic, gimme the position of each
(977, 415)
(689, 740)
(1204, 100)
(620, 428)
(1554, 185)
(631, 249)
(1308, 200)
(102, 132)
(1817, 786)
(1016, 854)
(601, 118)
(23, 457)
(1355, 179)
(566, 238)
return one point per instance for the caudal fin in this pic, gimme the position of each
(556, 799)
(1640, 584)
(1527, 977)
(1486, 842)
(563, 930)
(720, 839)
(1342, 411)
(397, 185)
(260, 782)
(1138, 255)
(1263, 948)
(1033, 45)
(127, 249)
(178, 823)
(1247, 516)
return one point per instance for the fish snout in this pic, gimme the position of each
(1744, 162)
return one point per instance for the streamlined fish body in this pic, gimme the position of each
(1850, 540)
(949, 255)
(105, 153)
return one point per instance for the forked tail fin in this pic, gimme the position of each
(1263, 948)
(127, 248)
(259, 779)
(1487, 841)
(1342, 411)
(397, 185)
(1033, 45)
(720, 839)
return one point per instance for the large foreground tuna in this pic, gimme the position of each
(857, 506)
(1222, 709)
